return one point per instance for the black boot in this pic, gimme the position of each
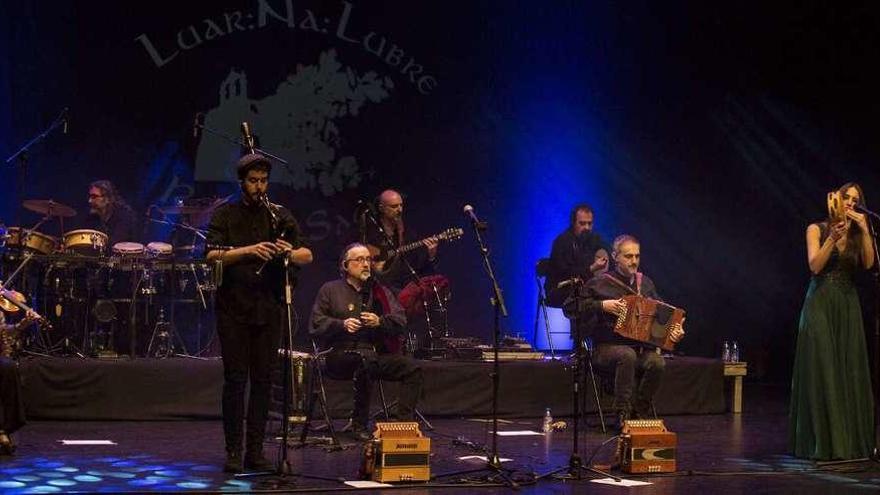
(233, 463)
(7, 446)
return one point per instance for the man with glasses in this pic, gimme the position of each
(393, 272)
(355, 315)
(250, 304)
(112, 215)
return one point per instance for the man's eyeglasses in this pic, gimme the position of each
(361, 259)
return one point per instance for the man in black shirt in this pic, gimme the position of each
(598, 303)
(112, 215)
(394, 273)
(250, 306)
(360, 319)
(578, 252)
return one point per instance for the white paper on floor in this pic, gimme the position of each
(87, 442)
(367, 484)
(622, 482)
(518, 433)
(482, 458)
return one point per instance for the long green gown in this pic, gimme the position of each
(832, 408)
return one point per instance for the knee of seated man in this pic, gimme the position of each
(655, 362)
(626, 356)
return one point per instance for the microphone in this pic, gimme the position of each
(569, 281)
(65, 119)
(248, 139)
(469, 211)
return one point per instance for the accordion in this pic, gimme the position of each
(648, 320)
(646, 446)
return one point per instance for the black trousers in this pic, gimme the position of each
(250, 354)
(628, 364)
(11, 405)
(363, 366)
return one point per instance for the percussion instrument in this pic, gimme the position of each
(85, 241)
(648, 320)
(159, 250)
(33, 241)
(49, 208)
(128, 249)
(836, 211)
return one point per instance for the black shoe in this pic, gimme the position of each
(257, 462)
(7, 446)
(233, 462)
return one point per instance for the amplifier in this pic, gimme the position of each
(397, 452)
(646, 446)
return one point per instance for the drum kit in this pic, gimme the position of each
(79, 280)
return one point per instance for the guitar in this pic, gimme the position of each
(391, 255)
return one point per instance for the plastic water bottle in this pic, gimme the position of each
(547, 426)
(734, 352)
(725, 352)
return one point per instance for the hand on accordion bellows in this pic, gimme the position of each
(677, 332)
(614, 306)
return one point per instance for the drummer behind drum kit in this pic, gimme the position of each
(81, 281)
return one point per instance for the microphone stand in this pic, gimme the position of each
(241, 143)
(22, 153)
(871, 216)
(493, 461)
(386, 237)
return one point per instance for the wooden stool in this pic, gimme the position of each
(737, 371)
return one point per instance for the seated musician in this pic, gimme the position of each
(578, 252)
(357, 317)
(112, 215)
(11, 406)
(599, 302)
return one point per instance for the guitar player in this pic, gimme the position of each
(393, 272)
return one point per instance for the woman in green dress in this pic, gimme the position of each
(832, 407)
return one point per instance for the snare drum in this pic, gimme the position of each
(128, 249)
(34, 241)
(159, 250)
(85, 241)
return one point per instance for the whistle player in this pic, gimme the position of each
(250, 306)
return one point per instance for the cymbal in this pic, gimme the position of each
(48, 207)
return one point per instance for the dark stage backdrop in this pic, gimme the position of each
(712, 133)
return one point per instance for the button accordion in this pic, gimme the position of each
(648, 320)
(646, 446)
(397, 452)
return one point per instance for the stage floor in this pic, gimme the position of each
(719, 454)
